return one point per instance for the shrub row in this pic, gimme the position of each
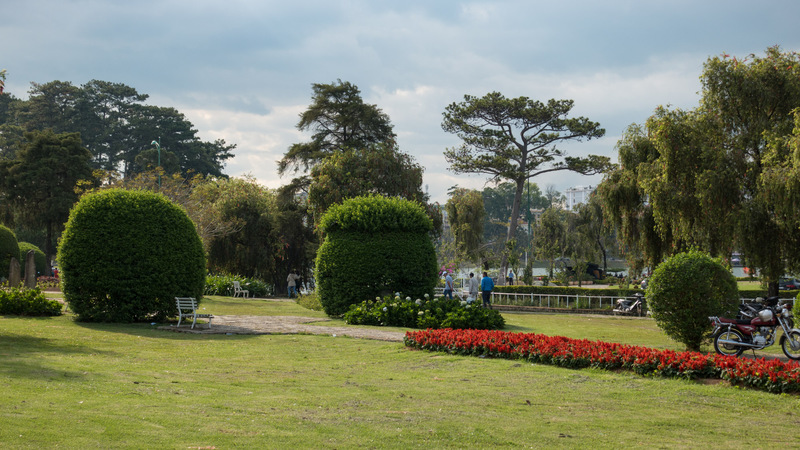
(423, 313)
(769, 375)
(27, 302)
(566, 290)
(222, 284)
(612, 292)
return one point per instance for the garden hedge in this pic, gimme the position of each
(9, 247)
(374, 246)
(125, 255)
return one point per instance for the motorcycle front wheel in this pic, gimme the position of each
(786, 345)
(729, 349)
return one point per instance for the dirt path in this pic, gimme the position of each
(282, 325)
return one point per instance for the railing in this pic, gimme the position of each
(566, 301)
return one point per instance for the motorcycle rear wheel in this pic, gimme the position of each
(729, 349)
(786, 345)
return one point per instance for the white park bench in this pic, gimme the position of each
(187, 307)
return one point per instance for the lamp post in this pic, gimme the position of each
(158, 148)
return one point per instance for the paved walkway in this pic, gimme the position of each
(282, 325)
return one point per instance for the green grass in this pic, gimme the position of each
(73, 385)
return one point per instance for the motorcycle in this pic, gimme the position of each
(750, 310)
(734, 336)
(630, 306)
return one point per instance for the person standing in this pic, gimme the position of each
(448, 286)
(292, 283)
(487, 285)
(474, 287)
(510, 276)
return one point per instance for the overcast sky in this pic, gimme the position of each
(241, 70)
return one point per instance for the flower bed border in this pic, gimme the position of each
(773, 376)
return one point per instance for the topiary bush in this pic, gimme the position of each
(27, 302)
(38, 258)
(685, 290)
(373, 245)
(125, 255)
(9, 248)
(423, 313)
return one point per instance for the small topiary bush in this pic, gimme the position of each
(27, 302)
(38, 258)
(685, 290)
(125, 256)
(373, 246)
(424, 313)
(9, 248)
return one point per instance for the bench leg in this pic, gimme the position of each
(194, 321)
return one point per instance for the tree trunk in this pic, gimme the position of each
(512, 229)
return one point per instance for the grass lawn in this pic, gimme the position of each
(77, 385)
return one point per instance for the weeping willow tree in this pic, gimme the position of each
(693, 179)
(465, 214)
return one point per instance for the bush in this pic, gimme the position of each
(685, 290)
(38, 258)
(374, 246)
(125, 255)
(423, 313)
(9, 248)
(309, 301)
(27, 302)
(222, 284)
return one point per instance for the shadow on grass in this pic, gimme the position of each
(18, 355)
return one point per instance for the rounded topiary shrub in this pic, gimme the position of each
(685, 290)
(38, 258)
(9, 248)
(125, 255)
(374, 246)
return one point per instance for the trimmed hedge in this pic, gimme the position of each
(566, 290)
(38, 258)
(685, 290)
(9, 248)
(27, 302)
(125, 255)
(374, 246)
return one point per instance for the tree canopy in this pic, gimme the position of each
(41, 181)
(339, 119)
(115, 126)
(517, 139)
(696, 179)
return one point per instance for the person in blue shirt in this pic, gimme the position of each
(448, 286)
(487, 285)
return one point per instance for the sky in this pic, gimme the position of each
(242, 70)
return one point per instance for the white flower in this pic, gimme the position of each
(377, 299)
(397, 297)
(385, 309)
(408, 299)
(463, 302)
(427, 296)
(468, 306)
(421, 313)
(418, 302)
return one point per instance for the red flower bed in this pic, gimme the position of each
(768, 375)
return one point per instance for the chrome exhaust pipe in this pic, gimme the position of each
(738, 343)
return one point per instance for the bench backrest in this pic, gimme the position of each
(236, 286)
(186, 303)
